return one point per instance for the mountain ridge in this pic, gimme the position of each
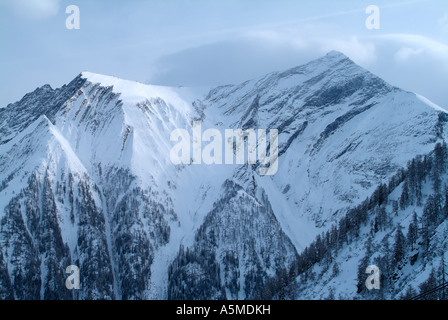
(97, 175)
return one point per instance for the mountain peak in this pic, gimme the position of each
(99, 78)
(45, 87)
(336, 55)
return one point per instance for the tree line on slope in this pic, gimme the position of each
(327, 245)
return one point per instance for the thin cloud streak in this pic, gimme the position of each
(32, 9)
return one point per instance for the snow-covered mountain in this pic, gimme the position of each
(86, 179)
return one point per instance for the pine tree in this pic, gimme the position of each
(404, 198)
(334, 238)
(319, 248)
(382, 194)
(399, 246)
(432, 212)
(438, 210)
(381, 220)
(412, 231)
(420, 172)
(412, 179)
(383, 262)
(342, 232)
(445, 205)
(395, 207)
(335, 270)
(361, 274)
(331, 294)
(437, 169)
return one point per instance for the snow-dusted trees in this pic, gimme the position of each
(399, 246)
(418, 170)
(432, 214)
(194, 275)
(6, 290)
(395, 249)
(439, 160)
(381, 219)
(238, 244)
(404, 198)
(412, 234)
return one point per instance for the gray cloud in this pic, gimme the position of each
(225, 62)
(412, 62)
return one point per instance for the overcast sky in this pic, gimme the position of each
(214, 42)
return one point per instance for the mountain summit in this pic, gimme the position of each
(86, 180)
